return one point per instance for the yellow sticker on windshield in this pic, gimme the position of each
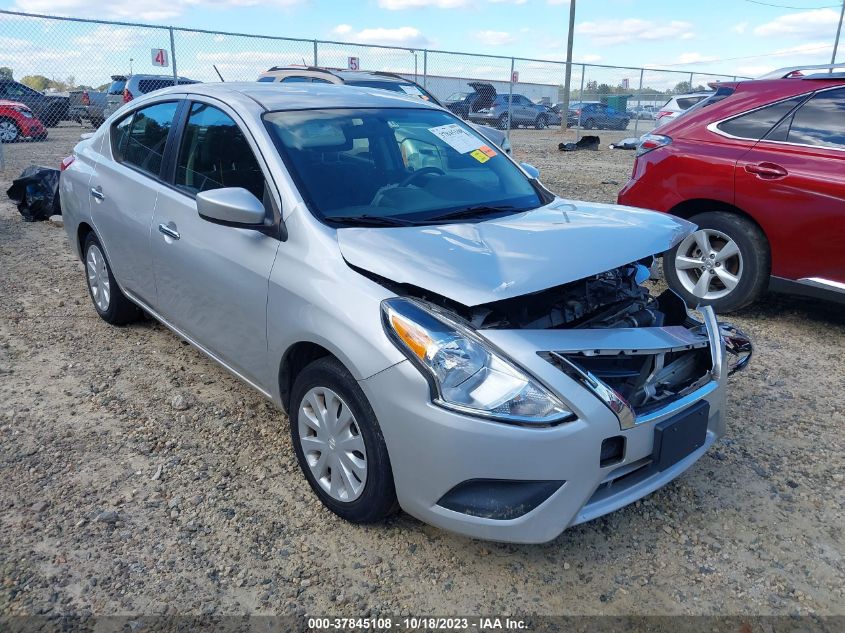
(480, 156)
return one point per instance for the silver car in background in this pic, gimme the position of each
(445, 334)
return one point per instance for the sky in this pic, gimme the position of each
(729, 37)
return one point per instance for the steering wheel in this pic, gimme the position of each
(421, 172)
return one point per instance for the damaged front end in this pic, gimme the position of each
(638, 353)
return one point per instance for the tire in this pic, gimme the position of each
(375, 497)
(732, 282)
(589, 124)
(503, 122)
(623, 125)
(541, 123)
(112, 305)
(9, 131)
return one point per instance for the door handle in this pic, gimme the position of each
(169, 230)
(767, 171)
(97, 192)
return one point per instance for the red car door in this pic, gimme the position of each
(793, 183)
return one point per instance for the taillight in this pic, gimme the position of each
(67, 161)
(651, 142)
(663, 113)
(127, 96)
(86, 98)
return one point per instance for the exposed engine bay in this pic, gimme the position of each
(613, 299)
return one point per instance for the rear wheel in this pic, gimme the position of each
(9, 131)
(589, 124)
(724, 264)
(503, 122)
(339, 444)
(111, 304)
(541, 123)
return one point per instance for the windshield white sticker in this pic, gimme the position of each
(457, 137)
(411, 90)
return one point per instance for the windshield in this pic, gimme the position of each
(117, 87)
(457, 96)
(396, 164)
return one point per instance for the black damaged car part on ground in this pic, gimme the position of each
(36, 193)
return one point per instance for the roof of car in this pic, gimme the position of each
(280, 96)
(341, 73)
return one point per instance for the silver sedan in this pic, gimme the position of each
(445, 335)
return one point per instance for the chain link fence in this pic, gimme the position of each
(64, 70)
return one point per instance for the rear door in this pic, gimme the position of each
(124, 188)
(212, 280)
(795, 179)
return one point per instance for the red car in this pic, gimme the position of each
(17, 121)
(760, 168)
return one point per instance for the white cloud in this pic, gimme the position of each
(633, 29)
(494, 38)
(400, 36)
(399, 5)
(590, 58)
(803, 24)
(740, 28)
(695, 58)
(151, 10)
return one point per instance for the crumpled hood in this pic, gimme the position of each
(482, 262)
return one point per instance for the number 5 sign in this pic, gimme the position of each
(353, 63)
(159, 56)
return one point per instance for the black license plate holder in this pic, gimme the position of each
(680, 436)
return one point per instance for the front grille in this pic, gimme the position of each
(644, 380)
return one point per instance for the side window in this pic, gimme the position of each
(139, 139)
(317, 80)
(148, 85)
(215, 153)
(755, 125)
(819, 122)
(267, 79)
(294, 79)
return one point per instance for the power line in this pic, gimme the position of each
(784, 6)
(772, 54)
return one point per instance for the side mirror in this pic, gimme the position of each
(532, 171)
(231, 206)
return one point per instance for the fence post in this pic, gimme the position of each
(173, 55)
(315, 53)
(581, 101)
(510, 98)
(639, 104)
(425, 68)
(691, 89)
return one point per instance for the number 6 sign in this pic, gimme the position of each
(159, 56)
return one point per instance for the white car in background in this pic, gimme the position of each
(676, 106)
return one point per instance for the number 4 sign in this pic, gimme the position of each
(159, 56)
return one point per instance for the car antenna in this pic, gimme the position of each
(218, 73)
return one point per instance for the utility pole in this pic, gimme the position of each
(838, 33)
(564, 115)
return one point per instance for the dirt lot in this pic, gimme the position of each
(118, 497)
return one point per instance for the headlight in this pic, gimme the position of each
(465, 372)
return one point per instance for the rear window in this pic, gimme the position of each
(148, 85)
(685, 103)
(757, 124)
(117, 87)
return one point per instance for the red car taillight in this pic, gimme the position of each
(86, 98)
(651, 142)
(127, 96)
(67, 161)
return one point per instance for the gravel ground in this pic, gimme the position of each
(138, 477)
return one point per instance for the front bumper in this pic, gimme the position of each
(433, 450)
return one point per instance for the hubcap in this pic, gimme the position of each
(8, 131)
(709, 264)
(98, 277)
(332, 444)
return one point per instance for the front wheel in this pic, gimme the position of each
(724, 263)
(541, 123)
(339, 444)
(503, 122)
(589, 124)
